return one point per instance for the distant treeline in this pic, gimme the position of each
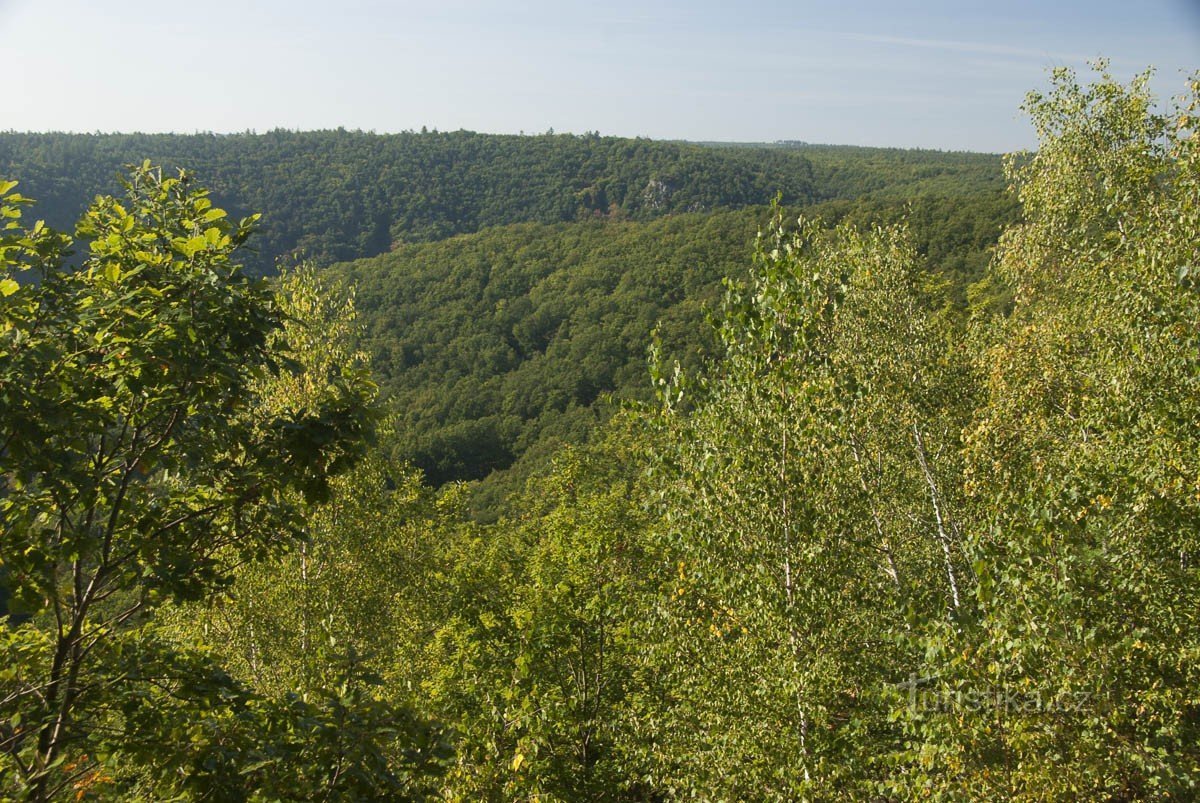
(339, 195)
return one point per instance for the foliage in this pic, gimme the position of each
(534, 654)
(338, 195)
(482, 388)
(900, 526)
(806, 514)
(140, 460)
(494, 349)
(1082, 471)
(331, 195)
(880, 555)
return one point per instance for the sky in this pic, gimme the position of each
(942, 74)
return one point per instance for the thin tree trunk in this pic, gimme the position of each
(935, 498)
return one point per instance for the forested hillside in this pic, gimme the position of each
(337, 195)
(848, 171)
(500, 344)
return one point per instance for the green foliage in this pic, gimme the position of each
(1082, 469)
(534, 655)
(481, 389)
(879, 552)
(806, 513)
(899, 527)
(194, 733)
(842, 171)
(320, 632)
(336, 195)
(281, 625)
(494, 349)
(141, 460)
(490, 343)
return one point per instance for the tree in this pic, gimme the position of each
(139, 460)
(1077, 676)
(809, 515)
(530, 653)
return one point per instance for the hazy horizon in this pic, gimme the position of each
(718, 143)
(941, 76)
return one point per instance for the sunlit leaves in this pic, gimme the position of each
(809, 505)
(140, 458)
(1082, 465)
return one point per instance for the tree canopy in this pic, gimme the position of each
(338, 195)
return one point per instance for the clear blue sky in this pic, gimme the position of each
(886, 72)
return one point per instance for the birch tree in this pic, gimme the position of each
(811, 511)
(1078, 677)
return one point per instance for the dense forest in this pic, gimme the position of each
(498, 347)
(495, 350)
(338, 195)
(885, 493)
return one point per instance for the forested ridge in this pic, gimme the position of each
(906, 506)
(337, 195)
